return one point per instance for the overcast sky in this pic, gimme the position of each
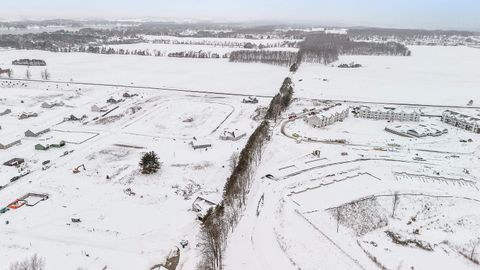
(441, 14)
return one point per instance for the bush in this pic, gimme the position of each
(34, 263)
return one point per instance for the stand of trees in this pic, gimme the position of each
(222, 219)
(281, 58)
(29, 62)
(325, 48)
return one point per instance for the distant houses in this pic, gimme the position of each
(75, 118)
(26, 115)
(47, 105)
(111, 100)
(34, 134)
(386, 113)
(128, 95)
(251, 100)
(232, 135)
(462, 121)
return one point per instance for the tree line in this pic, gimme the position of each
(320, 48)
(222, 219)
(281, 58)
(325, 48)
(29, 62)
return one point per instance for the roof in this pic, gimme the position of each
(378, 108)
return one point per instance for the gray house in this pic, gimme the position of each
(7, 111)
(34, 134)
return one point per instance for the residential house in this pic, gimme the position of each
(14, 162)
(7, 111)
(26, 115)
(34, 134)
(9, 143)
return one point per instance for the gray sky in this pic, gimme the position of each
(439, 14)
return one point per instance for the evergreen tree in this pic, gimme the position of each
(149, 163)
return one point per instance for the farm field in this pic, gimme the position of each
(195, 74)
(431, 75)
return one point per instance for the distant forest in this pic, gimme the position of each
(282, 58)
(321, 48)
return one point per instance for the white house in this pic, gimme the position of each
(96, 108)
(9, 142)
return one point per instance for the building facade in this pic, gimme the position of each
(462, 121)
(327, 116)
(390, 114)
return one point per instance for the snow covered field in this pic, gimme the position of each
(318, 205)
(307, 187)
(432, 75)
(127, 220)
(196, 74)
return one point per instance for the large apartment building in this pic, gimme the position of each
(384, 113)
(462, 121)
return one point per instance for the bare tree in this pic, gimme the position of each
(338, 217)
(45, 75)
(474, 244)
(395, 202)
(34, 263)
(28, 74)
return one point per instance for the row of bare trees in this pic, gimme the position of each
(222, 219)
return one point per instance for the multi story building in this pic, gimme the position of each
(327, 116)
(391, 114)
(462, 121)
